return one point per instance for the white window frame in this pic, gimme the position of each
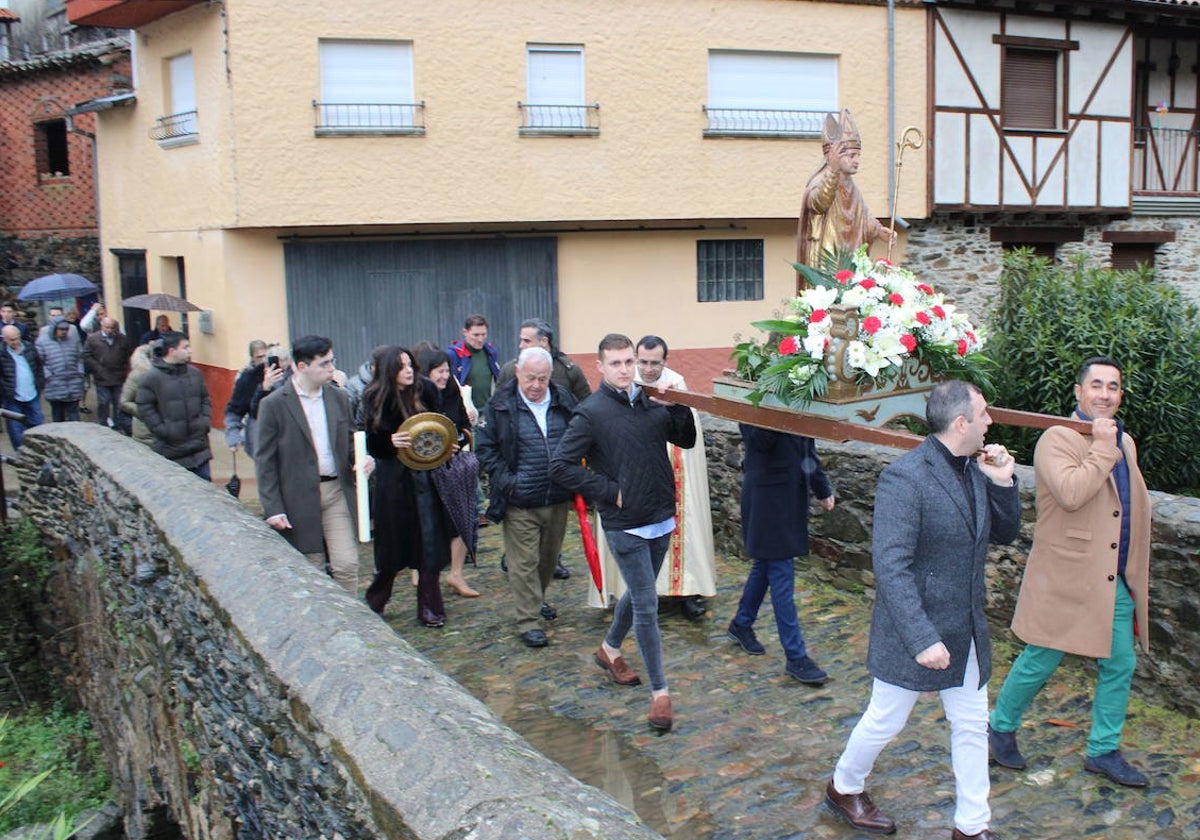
(181, 92)
(555, 89)
(366, 87)
(770, 94)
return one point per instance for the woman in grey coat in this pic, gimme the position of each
(62, 361)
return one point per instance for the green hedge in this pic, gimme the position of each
(1050, 317)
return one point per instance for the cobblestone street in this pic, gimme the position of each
(752, 750)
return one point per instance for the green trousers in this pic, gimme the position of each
(1035, 665)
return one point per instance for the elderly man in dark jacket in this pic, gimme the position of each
(936, 509)
(623, 434)
(778, 473)
(173, 402)
(20, 384)
(522, 426)
(106, 357)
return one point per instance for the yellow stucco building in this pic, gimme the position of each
(375, 173)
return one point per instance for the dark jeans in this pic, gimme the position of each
(108, 404)
(779, 577)
(62, 411)
(203, 470)
(639, 561)
(33, 417)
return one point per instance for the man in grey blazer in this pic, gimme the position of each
(936, 510)
(303, 459)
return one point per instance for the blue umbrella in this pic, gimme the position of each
(57, 286)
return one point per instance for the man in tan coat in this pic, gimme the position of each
(1086, 581)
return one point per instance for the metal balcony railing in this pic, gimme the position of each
(398, 118)
(569, 120)
(174, 127)
(1165, 160)
(762, 122)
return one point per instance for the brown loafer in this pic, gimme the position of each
(986, 834)
(617, 668)
(660, 713)
(858, 810)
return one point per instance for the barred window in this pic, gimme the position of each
(729, 269)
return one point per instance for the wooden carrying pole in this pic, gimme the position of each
(815, 426)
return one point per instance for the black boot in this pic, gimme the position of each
(430, 610)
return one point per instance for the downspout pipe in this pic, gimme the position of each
(891, 71)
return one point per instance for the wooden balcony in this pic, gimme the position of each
(123, 14)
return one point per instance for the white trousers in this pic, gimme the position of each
(966, 708)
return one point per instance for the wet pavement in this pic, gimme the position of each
(752, 749)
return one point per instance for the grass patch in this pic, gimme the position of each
(59, 743)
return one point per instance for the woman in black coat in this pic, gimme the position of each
(778, 473)
(411, 527)
(459, 491)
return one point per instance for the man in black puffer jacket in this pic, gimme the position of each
(172, 400)
(623, 433)
(521, 427)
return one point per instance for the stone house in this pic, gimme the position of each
(1068, 128)
(48, 202)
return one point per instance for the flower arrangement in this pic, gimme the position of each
(899, 319)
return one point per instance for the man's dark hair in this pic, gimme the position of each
(948, 400)
(309, 347)
(1099, 360)
(168, 342)
(613, 341)
(474, 321)
(541, 327)
(652, 341)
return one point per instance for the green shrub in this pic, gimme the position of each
(55, 755)
(1049, 318)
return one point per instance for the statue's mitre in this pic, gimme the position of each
(843, 134)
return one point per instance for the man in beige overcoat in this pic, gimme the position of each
(1085, 588)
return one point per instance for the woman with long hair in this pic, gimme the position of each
(412, 530)
(456, 481)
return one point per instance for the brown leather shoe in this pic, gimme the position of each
(986, 834)
(660, 713)
(617, 668)
(858, 810)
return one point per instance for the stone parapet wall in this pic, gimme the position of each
(841, 544)
(243, 694)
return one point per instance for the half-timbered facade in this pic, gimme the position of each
(1063, 127)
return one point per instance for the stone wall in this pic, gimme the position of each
(841, 544)
(956, 255)
(243, 694)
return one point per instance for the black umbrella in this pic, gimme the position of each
(160, 302)
(234, 485)
(56, 287)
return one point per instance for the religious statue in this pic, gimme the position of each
(834, 216)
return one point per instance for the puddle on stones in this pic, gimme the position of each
(605, 760)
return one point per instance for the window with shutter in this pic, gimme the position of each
(1029, 94)
(1127, 256)
(729, 269)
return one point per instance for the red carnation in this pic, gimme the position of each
(871, 325)
(882, 261)
(962, 347)
(817, 316)
(924, 289)
(971, 336)
(896, 299)
(909, 341)
(923, 318)
(938, 311)
(789, 346)
(844, 276)
(867, 284)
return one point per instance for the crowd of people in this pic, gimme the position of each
(534, 435)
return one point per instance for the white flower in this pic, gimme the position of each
(814, 343)
(819, 297)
